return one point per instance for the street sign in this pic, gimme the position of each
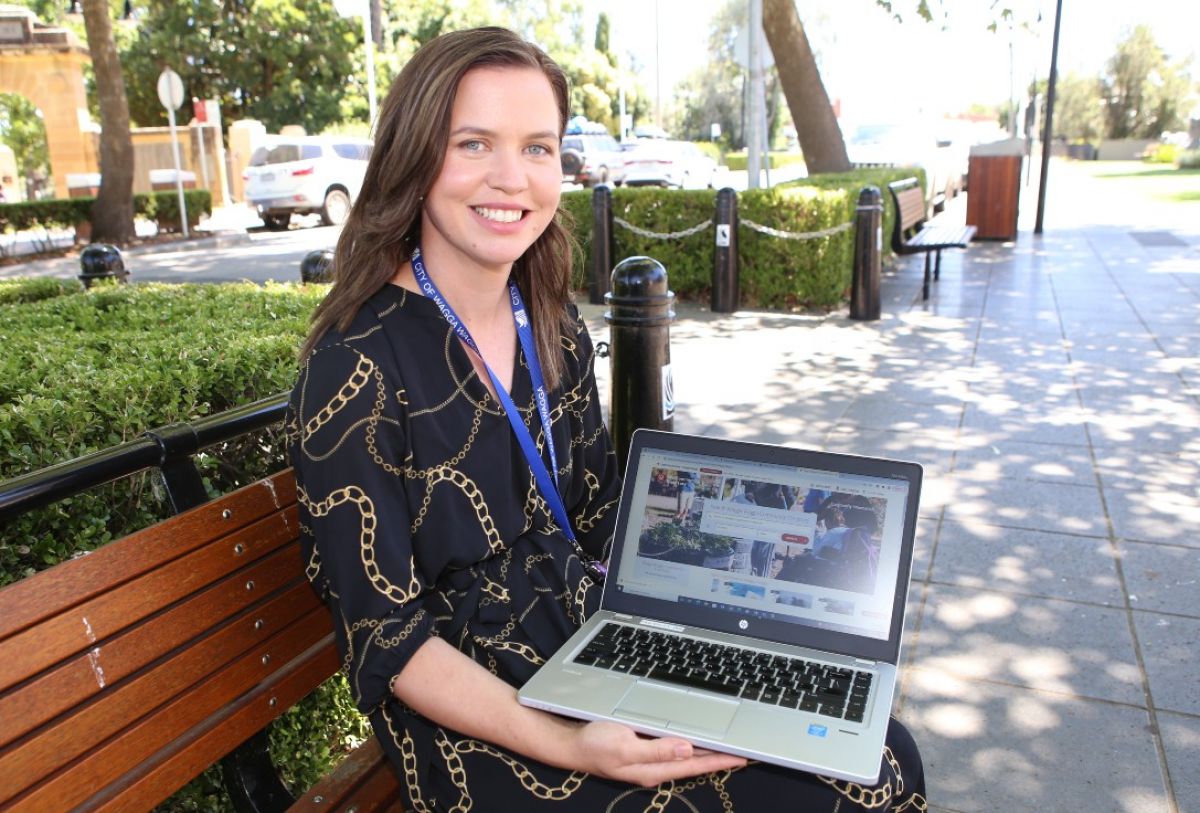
(170, 89)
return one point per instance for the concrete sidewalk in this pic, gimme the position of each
(1049, 387)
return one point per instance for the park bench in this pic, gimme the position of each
(126, 672)
(911, 233)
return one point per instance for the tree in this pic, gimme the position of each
(1078, 108)
(1143, 93)
(112, 213)
(816, 125)
(281, 62)
(602, 36)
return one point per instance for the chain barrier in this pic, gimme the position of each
(658, 235)
(758, 227)
(796, 235)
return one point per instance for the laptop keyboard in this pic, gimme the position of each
(730, 670)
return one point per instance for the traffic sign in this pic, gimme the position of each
(170, 89)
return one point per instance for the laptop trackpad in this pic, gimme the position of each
(676, 709)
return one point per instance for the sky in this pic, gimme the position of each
(950, 65)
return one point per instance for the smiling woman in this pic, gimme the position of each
(456, 485)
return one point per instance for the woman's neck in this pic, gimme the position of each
(478, 296)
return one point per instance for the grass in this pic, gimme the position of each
(1135, 179)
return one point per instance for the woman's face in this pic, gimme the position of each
(501, 179)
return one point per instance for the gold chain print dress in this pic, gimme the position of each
(421, 517)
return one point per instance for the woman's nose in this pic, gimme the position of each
(507, 172)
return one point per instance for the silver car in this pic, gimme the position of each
(320, 174)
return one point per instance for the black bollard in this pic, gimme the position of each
(639, 324)
(101, 261)
(868, 245)
(725, 257)
(602, 243)
(317, 266)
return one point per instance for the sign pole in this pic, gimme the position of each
(170, 93)
(183, 219)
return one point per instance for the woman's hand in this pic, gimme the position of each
(617, 752)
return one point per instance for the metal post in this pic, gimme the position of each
(317, 266)
(725, 256)
(868, 247)
(602, 244)
(101, 261)
(1048, 129)
(639, 320)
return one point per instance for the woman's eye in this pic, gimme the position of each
(472, 146)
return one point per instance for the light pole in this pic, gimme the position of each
(352, 8)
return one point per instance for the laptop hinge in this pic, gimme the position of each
(866, 662)
(662, 625)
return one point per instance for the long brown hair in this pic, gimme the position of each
(384, 224)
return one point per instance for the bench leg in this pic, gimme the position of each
(937, 266)
(925, 284)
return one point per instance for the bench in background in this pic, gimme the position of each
(913, 235)
(127, 672)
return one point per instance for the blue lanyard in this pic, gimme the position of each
(548, 488)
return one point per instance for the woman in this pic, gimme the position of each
(451, 567)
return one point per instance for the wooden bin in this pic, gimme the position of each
(993, 190)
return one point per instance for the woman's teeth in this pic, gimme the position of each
(499, 215)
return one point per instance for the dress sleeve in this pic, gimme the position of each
(347, 445)
(595, 509)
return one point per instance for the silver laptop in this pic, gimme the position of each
(754, 604)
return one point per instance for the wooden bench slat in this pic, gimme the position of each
(93, 722)
(205, 744)
(363, 780)
(144, 737)
(79, 628)
(53, 591)
(350, 773)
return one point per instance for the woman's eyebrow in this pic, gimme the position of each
(483, 131)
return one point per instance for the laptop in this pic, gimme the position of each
(754, 604)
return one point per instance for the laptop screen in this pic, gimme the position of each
(766, 541)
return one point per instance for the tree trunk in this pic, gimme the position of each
(112, 214)
(816, 126)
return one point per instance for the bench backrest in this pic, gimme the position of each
(910, 206)
(126, 672)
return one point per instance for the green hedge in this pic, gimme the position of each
(774, 272)
(739, 160)
(854, 180)
(86, 370)
(66, 213)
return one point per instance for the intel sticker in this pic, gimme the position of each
(815, 730)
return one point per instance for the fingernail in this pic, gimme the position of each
(682, 752)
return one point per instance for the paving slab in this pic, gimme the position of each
(1181, 741)
(1071, 508)
(1020, 460)
(1169, 645)
(976, 555)
(1164, 578)
(1155, 513)
(989, 747)
(1066, 647)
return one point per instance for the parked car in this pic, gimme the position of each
(906, 144)
(307, 174)
(662, 162)
(591, 156)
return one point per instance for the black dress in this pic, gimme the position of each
(421, 518)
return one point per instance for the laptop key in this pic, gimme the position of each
(769, 695)
(692, 681)
(854, 715)
(809, 703)
(832, 709)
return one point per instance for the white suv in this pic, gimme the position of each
(302, 175)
